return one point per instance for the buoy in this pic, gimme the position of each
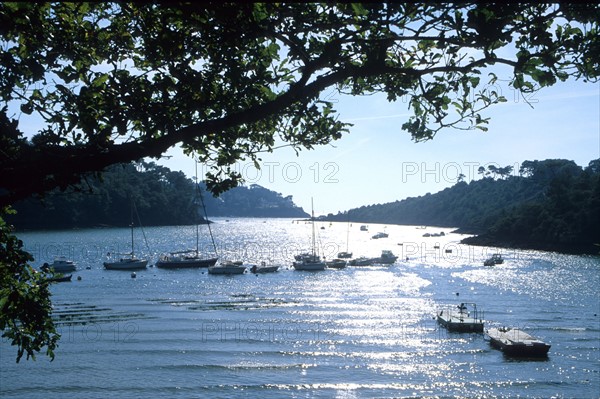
(133, 275)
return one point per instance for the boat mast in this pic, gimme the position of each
(313, 227)
(348, 233)
(205, 215)
(197, 225)
(131, 225)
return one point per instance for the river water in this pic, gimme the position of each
(360, 332)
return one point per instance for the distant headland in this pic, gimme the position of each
(551, 205)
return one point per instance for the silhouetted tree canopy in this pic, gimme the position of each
(86, 85)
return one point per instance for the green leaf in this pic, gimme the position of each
(358, 9)
(100, 80)
(27, 108)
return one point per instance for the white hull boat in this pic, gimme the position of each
(131, 263)
(263, 268)
(61, 265)
(310, 261)
(227, 268)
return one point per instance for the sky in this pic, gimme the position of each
(377, 162)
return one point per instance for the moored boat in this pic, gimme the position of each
(192, 258)
(386, 258)
(495, 259)
(61, 265)
(128, 262)
(263, 268)
(380, 235)
(362, 261)
(228, 267)
(60, 278)
(516, 342)
(336, 263)
(310, 261)
(465, 318)
(302, 256)
(489, 262)
(188, 259)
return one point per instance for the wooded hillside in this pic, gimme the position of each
(161, 197)
(552, 204)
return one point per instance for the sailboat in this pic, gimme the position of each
(190, 258)
(128, 261)
(310, 261)
(346, 254)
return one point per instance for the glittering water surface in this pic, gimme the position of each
(360, 332)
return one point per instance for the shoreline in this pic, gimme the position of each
(568, 249)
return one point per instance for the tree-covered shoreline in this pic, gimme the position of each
(146, 194)
(551, 205)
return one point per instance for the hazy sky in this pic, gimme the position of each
(377, 162)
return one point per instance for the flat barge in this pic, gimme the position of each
(516, 342)
(464, 318)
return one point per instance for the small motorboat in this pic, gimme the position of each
(228, 267)
(263, 268)
(489, 262)
(380, 235)
(362, 261)
(336, 264)
(496, 259)
(516, 342)
(386, 258)
(60, 265)
(59, 278)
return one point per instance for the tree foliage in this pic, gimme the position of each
(87, 85)
(25, 305)
(114, 82)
